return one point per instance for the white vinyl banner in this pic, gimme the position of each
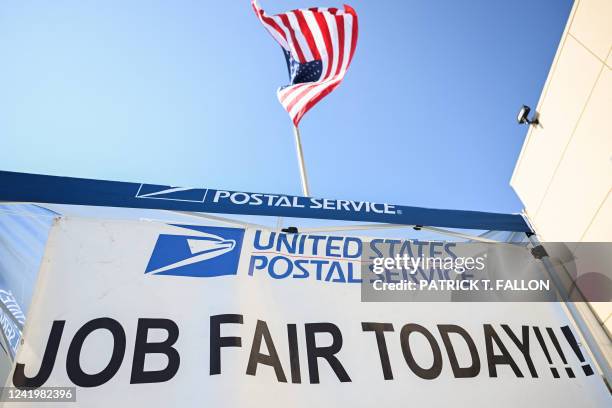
(138, 313)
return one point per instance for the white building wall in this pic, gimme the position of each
(564, 172)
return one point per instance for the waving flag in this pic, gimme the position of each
(319, 44)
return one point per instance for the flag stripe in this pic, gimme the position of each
(312, 102)
(277, 33)
(309, 97)
(301, 36)
(294, 42)
(354, 30)
(292, 100)
(333, 31)
(299, 104)
(308, 34)
(322, 23)
(287, 97)
(321, 42)
(340, 27)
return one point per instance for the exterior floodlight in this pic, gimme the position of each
(523, 116)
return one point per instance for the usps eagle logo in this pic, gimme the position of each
(201, 251)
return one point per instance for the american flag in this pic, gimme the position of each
(318, 44)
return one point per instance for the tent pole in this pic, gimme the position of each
(221, 219)
(579, 320)
(365, 227)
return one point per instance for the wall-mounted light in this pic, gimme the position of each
(523, 116)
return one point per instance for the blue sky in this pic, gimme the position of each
(183, 93)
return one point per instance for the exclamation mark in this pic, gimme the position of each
(553, 370)
(553, 337)
(567, 332)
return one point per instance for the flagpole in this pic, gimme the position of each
(300, 154)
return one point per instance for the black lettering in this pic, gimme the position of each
(46, 366)
(73, 365)
(425, 373)
(493, 360)
(327, 353)
(460, 372)
(379, 330)
(256, 357)
(216, 341)
(294, 355)
(142, 347)
(522, 346)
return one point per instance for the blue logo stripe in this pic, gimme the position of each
(210, 251)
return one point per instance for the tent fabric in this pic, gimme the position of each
(24, 230)
(22, 187)
(23, 235)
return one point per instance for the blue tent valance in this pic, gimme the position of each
(23, 187)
